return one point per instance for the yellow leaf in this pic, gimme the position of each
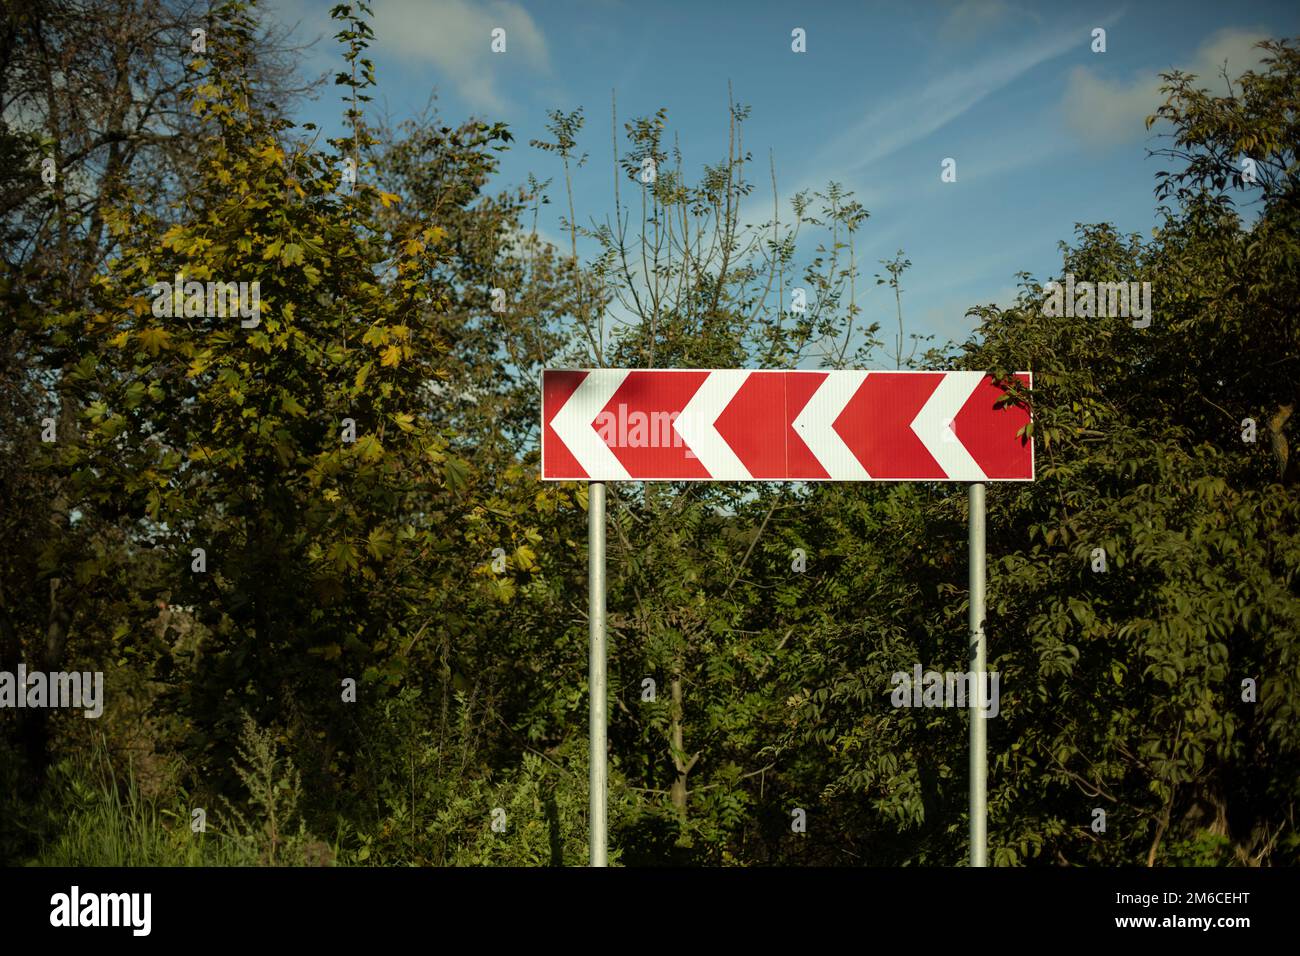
(388, 198)
(391, 356)
(200, 363)
(171, 235)
(291, 405)
(154, 339)
(368, 448)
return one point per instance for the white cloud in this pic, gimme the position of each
(1233, 45)
(455, 37)
(1105, 111)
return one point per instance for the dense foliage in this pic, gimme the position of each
(359, 473)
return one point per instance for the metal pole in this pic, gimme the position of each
(978, 664)
(596, 682)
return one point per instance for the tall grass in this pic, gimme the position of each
(110, 822)
(103, 818)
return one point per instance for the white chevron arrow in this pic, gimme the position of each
(933, 425)
(573, 423)
(696, 425)
(815, 425)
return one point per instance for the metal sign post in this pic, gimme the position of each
(605, 424)
(596, 683)
(979, 699)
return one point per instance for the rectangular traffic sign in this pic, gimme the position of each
(741, 425)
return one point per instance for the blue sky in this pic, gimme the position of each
(1044, 131)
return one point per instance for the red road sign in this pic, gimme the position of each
(737, 425)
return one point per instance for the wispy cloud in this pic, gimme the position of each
(915, 115)
(971, 19)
